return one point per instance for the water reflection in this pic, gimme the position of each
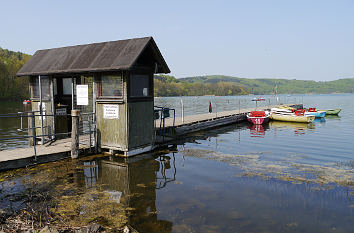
(258, 130)
(333, 117)
(133, 182)
(298, 128)
(319, 120)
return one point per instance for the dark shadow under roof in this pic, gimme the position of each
(97, 57)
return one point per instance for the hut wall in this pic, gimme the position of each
(112, 133)
(141, 124)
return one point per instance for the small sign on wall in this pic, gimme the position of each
(82, 94)
(110, 111)
(60, 111)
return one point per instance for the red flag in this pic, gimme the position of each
(210, 108)
(275, 89)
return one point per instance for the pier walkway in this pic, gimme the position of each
(59, 149)
(193, 119)
(22, 157)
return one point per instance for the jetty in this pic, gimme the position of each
(174, 130)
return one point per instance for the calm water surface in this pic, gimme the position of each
(281, 177)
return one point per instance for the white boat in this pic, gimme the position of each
(281, 114)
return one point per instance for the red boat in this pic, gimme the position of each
(258, 117)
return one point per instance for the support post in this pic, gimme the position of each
(94, 111)
(239, 107)
(53, 106)
(41, 107)
(34, 136)
(182, 110)
(216, 110)
(75, 114)
(72, 93)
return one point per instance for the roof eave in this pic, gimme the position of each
(74, 72)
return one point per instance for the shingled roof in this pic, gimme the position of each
(98, 57)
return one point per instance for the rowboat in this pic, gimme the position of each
(316, 113)
(292, 118)
(281, 114)
(258, 117)
(332, 111)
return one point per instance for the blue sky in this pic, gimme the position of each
(310, 40)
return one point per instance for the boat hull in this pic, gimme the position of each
(292, 118)
(258, 117)
(258, 120)
(334, 112)
(318, 114)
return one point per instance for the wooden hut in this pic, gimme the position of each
(120, 74)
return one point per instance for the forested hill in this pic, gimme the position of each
(12, 88)
(285, 86)
(170, 86)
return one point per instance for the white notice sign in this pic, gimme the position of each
(82, 94)
(110, 111)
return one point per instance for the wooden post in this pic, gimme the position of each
(182, 107)
(75, 114)
(29, 128)
(53, 106)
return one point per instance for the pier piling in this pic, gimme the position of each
(75, 114)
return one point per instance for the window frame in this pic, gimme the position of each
(35, 80)
(150, 90)
(99, 87)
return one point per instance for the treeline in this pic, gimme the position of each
(284, 86)
(12, 88)
(165, 85)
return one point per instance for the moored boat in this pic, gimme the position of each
(332, 111)
(316, 113)
(280, 114)
(292, 118)
(258, 117)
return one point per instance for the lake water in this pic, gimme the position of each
(280, 177)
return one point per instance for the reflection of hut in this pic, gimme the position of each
(134, 185)
(119, 75)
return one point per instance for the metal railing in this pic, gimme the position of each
(87, 126)
(161, 113)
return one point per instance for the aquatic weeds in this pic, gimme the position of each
(252, 166)
(56, 193)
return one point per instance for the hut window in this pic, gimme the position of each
(67, 86)
(111, 86)
(45, 88)
(139, 86)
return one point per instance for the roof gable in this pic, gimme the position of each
(106, 56)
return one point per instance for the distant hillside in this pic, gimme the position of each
(285, 86)
(12, 88)
(170, 86)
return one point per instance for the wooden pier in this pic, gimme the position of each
(206, 121)
(22, 157)
(60, 149)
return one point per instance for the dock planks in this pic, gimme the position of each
(22, 157)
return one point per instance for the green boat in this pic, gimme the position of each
(332, 111)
